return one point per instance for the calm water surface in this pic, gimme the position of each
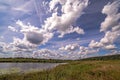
(25, 67)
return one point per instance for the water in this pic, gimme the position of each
(6, 68)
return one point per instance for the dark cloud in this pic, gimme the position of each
(34, 38)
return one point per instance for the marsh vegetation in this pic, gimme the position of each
(74, 70)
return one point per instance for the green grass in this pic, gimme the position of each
(77, 70)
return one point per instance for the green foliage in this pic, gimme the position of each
(33, 60)
(109, 57)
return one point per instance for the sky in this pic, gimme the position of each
(59, 29)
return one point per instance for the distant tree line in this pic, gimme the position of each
(109, 57)
(20, 59)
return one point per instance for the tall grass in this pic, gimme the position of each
(78, 70)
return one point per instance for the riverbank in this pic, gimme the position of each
(33, 60)
(78, 70)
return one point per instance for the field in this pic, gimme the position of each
(75, 70)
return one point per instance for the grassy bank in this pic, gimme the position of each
(78, 70)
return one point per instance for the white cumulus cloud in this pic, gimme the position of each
(112, 19)
(47, 54)
(71, 10)
(110, 26)
(12, 29)
(33, 34)
(70, 47)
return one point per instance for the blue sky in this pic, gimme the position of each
(59, 29)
